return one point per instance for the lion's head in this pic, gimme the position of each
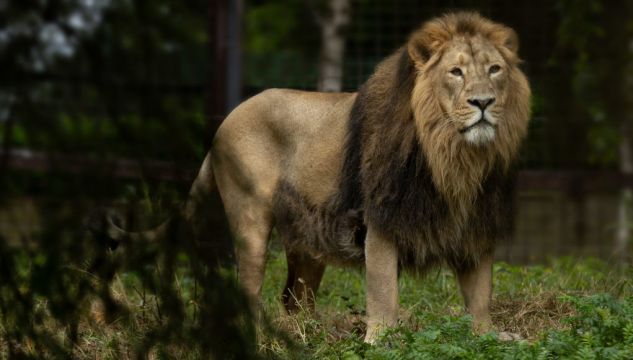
(451, 105)
(467, 76)
(470, 100)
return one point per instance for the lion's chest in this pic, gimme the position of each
(428, 229)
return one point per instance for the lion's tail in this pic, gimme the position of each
(202, 187)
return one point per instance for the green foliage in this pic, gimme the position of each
(281, 45)
(592, 74)
(135, 77)
(152, 299)
(597, 324)
(271, 26)
(599, 331)
(63, 294)
(164, 300)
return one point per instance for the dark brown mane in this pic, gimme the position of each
(386, 95)
(387, 175)
(397, 193)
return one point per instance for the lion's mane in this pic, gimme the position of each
(409, 174)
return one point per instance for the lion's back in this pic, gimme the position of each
(283, 134)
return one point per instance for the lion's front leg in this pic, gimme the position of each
(381, 263)
(476, 287)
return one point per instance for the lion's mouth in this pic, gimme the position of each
(481, 122)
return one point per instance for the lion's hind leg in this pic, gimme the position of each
(304, 277)
(251, 225)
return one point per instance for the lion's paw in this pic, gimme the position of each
(508, 336)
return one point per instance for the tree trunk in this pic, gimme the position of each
(332, 45)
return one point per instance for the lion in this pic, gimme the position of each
(414, 170)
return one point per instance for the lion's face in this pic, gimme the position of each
(474, 80)
(469, 89)
(470, 100)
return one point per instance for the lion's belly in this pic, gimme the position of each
(321, 231)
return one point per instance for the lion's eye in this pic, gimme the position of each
(457, 71)
(494, 69)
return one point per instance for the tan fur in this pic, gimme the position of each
(320, 167)
(381, 257)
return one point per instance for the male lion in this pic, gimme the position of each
(412, 171)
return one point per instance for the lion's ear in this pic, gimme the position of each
(423, 44)
(418, 54)
(508, 38)
(422, 48)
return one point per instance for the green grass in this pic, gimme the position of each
(580, 309)
(570, 309)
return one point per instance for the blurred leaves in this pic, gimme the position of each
(271, 26)
(281, 45)
(592, 58)
(64, 292)
(106, 79)
(134, 73)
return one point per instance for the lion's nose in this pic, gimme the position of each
(481, 103)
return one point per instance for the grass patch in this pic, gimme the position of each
(568, 309)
